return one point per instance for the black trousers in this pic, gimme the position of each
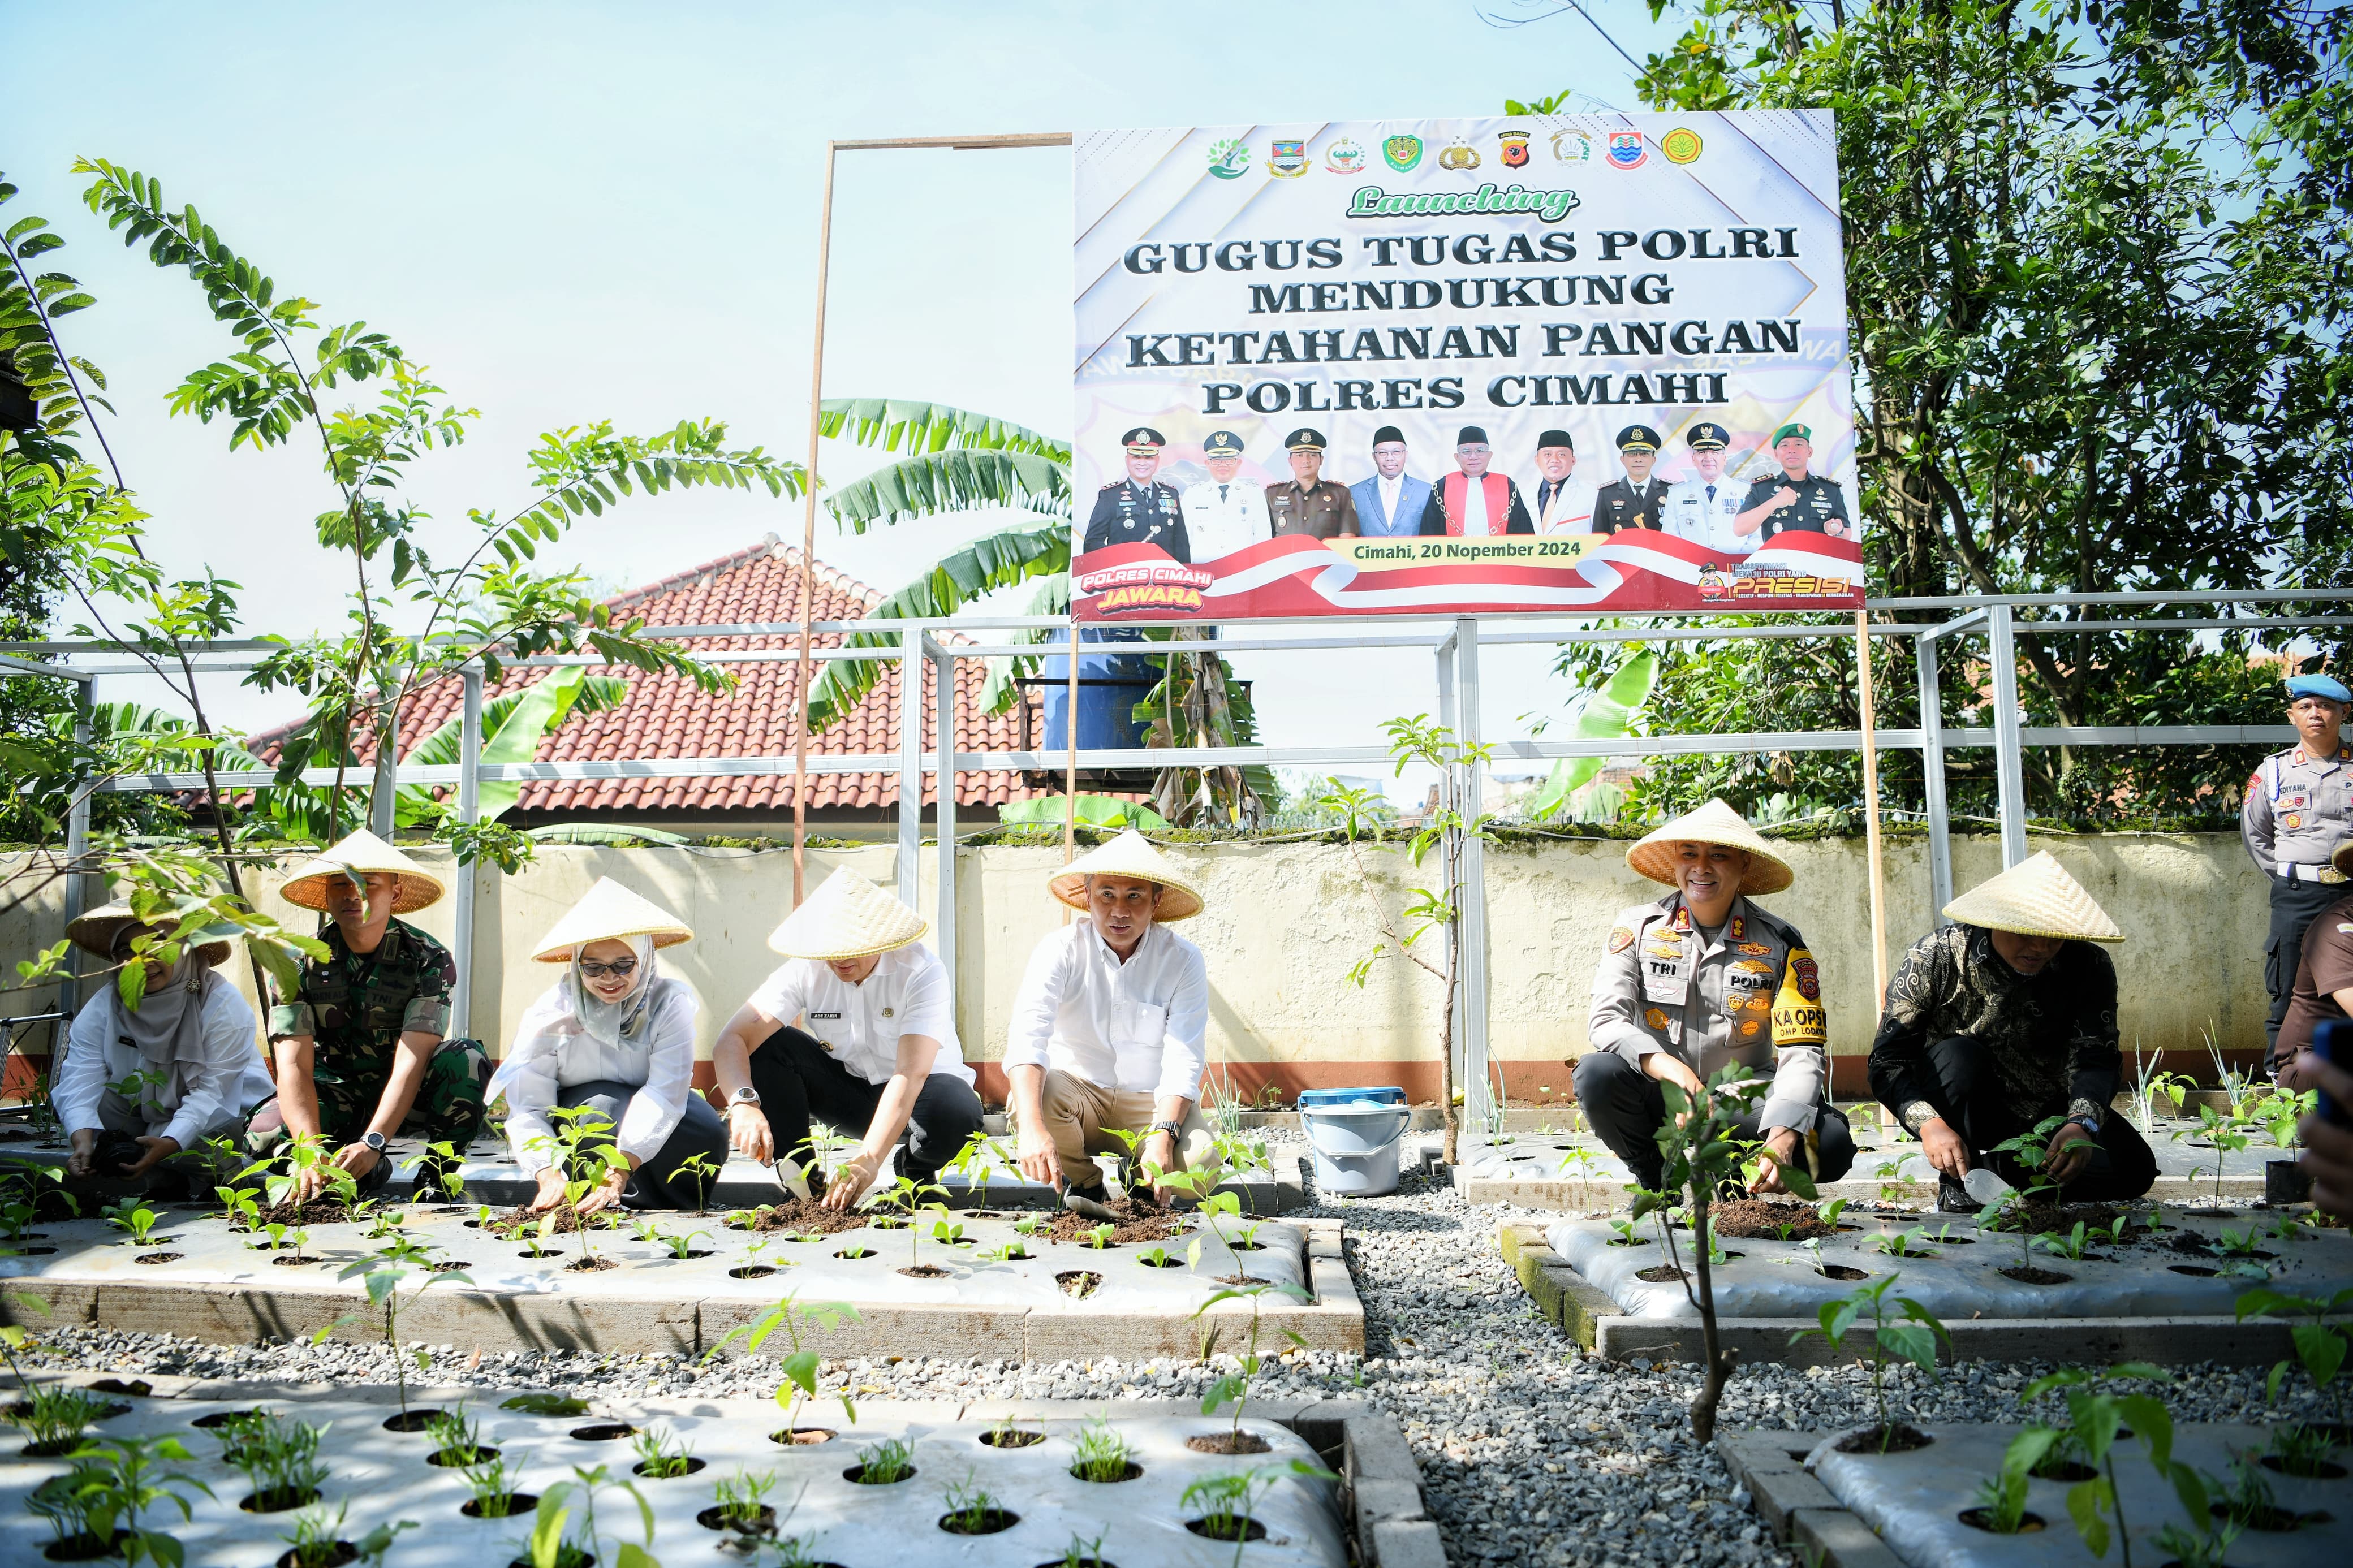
(2295, 906)
(800, 1082)
(1972, 1100)
(664, 1181)
(1626, 1107)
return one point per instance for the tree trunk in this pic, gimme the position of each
(1719, 1360)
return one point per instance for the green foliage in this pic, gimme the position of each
(886, 1463)
(113, 1484)
(2321, 1346)
(662, 1454)
(1098, 812)
(1608, 712)
(381, 1274)
(1912, 1337)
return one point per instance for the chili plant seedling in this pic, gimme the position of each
(112, 1485)
(1100, 1237)
(1228, 1503)
(800, 1367)
(1234, 1386)
(135, 1218)
(2226, 1131)
(1011, 1252)
(1902, 1242)
(1913, 1337)
(905, 1197)
(2321, 1346)
(548, 1537)
(2071, 1245)
(278, 1455)
(683, 1247)
(382, 1274)
(582, 1147)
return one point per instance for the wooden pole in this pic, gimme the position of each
(1870, 809)
(1070, 768)
(809, 548)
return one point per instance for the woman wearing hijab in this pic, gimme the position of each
(615, 1035)
(190, 1042)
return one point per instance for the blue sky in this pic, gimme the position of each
(585, 211)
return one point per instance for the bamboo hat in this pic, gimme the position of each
(96, 932)
(2035, 898)
(847, 917)
(1654, 855)
(1129, 854)
(358, 855)
(610, 911)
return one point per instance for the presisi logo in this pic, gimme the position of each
(1371, 201)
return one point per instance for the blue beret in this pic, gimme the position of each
(2326, 686)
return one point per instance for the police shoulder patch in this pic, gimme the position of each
(1621, 939)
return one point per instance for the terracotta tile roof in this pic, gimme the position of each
(665, 716)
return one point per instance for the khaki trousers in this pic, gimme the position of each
(1078, 1113)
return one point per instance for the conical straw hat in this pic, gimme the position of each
(1129, 854)
(96, 931)
(360, 853)
(610, 910)
(1655, 856)
(2035, 898)
(848, 917)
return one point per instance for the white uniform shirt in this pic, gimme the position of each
(552, 1050)
(859, 1025)
(1135, 1027)
(1570, 508)
(214, 1093)
(1223, 518)
(1691, 513)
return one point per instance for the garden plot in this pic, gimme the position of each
(1554, 1169)
(906, 1482)
(1866, 1509)
(2168, 1296)
(988, 1284)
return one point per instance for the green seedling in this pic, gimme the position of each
(2321, 1346)
(905, 1197)
(1158, 1258)
(279, 1455)
(1228, 1502)
(793, 1320)
(741, 1501)
(661, 1454)
(491, 1478)
(1082, 1554)
(381, 1274)
(133, 1218)
(1891, 1180)
(945, 1232)
(645, 1228)
(2071, 1245)
(1829, 1213)
(1582, 1160)
(1029, 1224)
(52, 1415)
(886, 1463)
(548, 1535)
(2001, 1500)
(2278, 1114)
(703, 1171)
(1902, 1244)
(2226, 1131)
(1234, 1387)
(455, 1435)
(438, 1166)
(1626, 1236)
(112, 1485)
(583, 1148)
(682, 1247)
(542, 1403)
(2231, 1243)
(970, 1507)
(1913, 1337)
(1101, 1454)
(1100, 1237)
(316, 1537)
(1813, 1247)
(2097, 1418)
(2301, 1449)
(1011, 1252)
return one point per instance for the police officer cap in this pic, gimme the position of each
(1471, 436)
(1304, 440)
(1143, 438)
(2325, 686)
(1707, 437)
(1554, 438)
(1802, 432)
(1638, 438)
(1388, 433)
(1222, 444)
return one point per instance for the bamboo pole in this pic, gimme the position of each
(1070, 768)
(1871, 808)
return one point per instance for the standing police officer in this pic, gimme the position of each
(1634, 502)
(1225, 513)
(1795, 501)
(1139, 509)
(2299, 808)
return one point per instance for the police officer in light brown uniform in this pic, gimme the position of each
(2299, 808)
(1310, 503)
(1703, 979)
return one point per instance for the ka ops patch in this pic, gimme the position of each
(1799, 1017)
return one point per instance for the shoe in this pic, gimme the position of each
(1952, 1197)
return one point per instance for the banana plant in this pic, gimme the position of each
(1608, 713)
(513, 725)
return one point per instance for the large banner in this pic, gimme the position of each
(1548, 363)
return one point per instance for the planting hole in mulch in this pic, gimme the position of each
(717, 1518)
(318, 1211)
(855, 1252)
(223, 1417)
(278, 1500)
(984, 1522)
(2195, 1271)
(1128, 1471)
(292, 1260)
(1979, 1519)
(1844, 1271)
(1248, 1246)
(1080, 1561)
(1012, 1438)
(31, 1251)
(797, 1214)
(858, 1473)
(604, 1431)
(693, 1465)
(1227, 1442)
(1895, 1437)
(1228, 1527)
(589, 1265)
(690, 1252)
(137, 1388)
(85, 1548)
(459, 1458)
(1658, 1272)
(448, 1265)
(407, 1421)
(803, 1437)
(1761, 1219)
(2038, 1216)
(339, 1553)
(1162, 1262)
(519, 1505)
(753, 1271)
(2317, 1471)
(2068, 1470)
(926, 1271)
(583, 1560)
(1131, 1221)
(1078, 1282)
(2274, 1521)
(537, 1252)
(153, 1257)
(105, 1413)
(2028, 1275)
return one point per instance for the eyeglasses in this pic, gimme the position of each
(619, 969)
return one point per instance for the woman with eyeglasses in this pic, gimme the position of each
(616, 1039)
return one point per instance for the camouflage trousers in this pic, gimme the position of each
(449, 1107)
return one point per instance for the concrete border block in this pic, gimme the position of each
(1841, 1540)
(1560, 1292)
(1772, 1466)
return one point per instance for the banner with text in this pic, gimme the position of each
(1543, 363)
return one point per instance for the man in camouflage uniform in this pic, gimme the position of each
(360, 1045)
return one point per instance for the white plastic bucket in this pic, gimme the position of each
(1355, 1145)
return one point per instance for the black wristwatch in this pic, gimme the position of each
(1174, 1128)
(373, 1142)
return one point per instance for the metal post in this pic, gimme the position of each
(77, 848)
(2010, 770)
(470, 810)
(944, 926)
(1471, 987)
(1932, 776)
(911, 764)
(1450, 794)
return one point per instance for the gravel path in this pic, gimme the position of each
(1530, 1451)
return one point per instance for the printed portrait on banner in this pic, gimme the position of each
(1544, 363)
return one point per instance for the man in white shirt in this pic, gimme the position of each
(1225, 513)
(1706, 509)
(1563, 502)
(1109, 1026)
(875, 1054)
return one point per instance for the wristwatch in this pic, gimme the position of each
(1172, 1128)
(745, 1096)
(373, 1142)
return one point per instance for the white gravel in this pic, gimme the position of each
(1531, 1451)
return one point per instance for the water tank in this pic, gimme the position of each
(1111, 683)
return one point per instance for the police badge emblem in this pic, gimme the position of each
(1515, 149)
(1228, 158)
(1289, 160)
(1625, 150)
(1403, 152)
(1459, 155)
(1344, 156)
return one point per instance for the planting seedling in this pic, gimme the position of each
(280, 1457)
(457, 1439)
(1098, 1237)
(1158, 1257)
(2073, 1245)
(491, 1478)
(1914, 1338)
(974, 1511)
(1103, 1455)
(111, 1486)
(2225, 1131)
(662, 1456)
(549, 1539)
(740, 1504)
(905, 1196)
(381, 1273)
(1902, 1244)
(800, 1367)
(135, 1218)
(2321, 1346)
(703, 1171)
(885, 1464)
(683, 1247)
(583, 1148)
(1235, 1386)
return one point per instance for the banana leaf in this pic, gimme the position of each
(513, 727)
(1608, 715)
(893, 422)
(933, 483)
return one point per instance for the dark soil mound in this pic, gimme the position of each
(1763, 1219)
(1134, 1222)
(800, 1214)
